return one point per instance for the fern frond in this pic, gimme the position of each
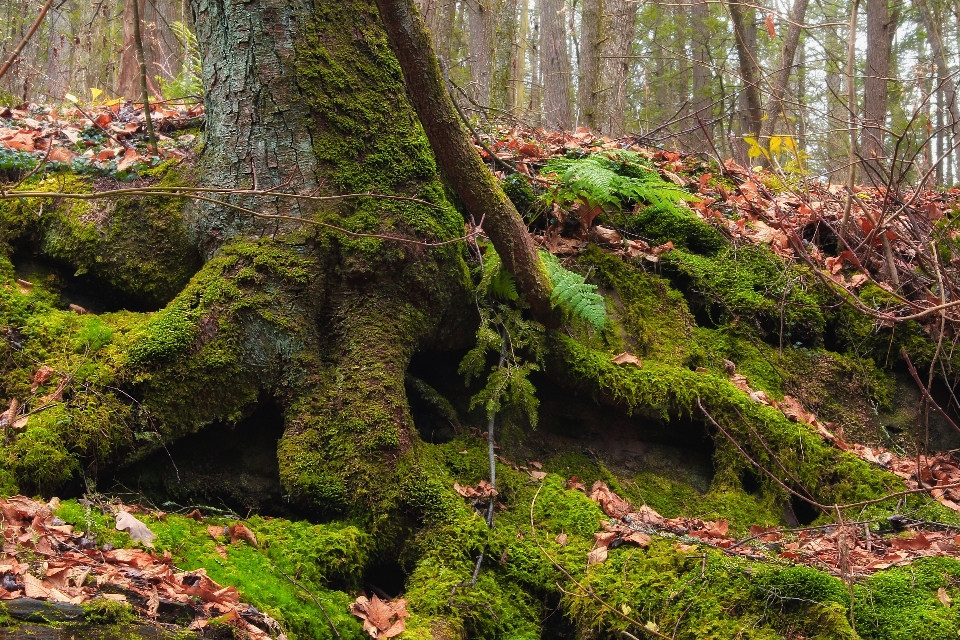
(612, 178)
(572, 293)
(497, 281)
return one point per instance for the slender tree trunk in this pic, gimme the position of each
(589, 63)
(940, 129)
(775, 106)
(520, 60)
(481, 28)
(881, 27)
(504, 81)
(536, 77)
(128, 85)
(619, 22)
(459, 160)
(949, 86)
(837, 115)
(702, 90)
(745, 36)
(555, 66)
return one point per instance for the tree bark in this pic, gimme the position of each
(702, 74)
(745, 35)
(881, 27)
(619, 20)
(503, 89)
(947, 84)
(481, 27)
(589, 63)
(555, 66)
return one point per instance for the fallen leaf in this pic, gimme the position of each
(638, 538)
(943, 597)
(216, 532)
(61, 154)
(240, 531)
(537, 475)
(561, 539)
(597, 556)
(130, 156)
(195, 515)
(40, 377)
(917, 543)
(381, 618)
(771, 30)
(612, 504)
(138, 531)
(627, 358)
(574, 484)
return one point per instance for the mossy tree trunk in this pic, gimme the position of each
(309, 95)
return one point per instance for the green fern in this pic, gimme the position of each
(497, 281)
(571, 292)
(612, 179)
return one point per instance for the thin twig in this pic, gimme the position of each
(23, 43)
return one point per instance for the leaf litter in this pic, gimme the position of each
(46, 559)
(818, 547)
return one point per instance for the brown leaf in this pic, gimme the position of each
(216, 532)
(597, 556)
(195, 515)
(8, 417)
(537, 475)
(943, 597)
(716, 529)
(153, 602)
(130, 156)
(40, 377)
(574, 484)
(561, 539)
(61, 154)
(627, 358)
(771, 30)
(612, 504)
(917, 543)
(221, 551)
(240, 531)
(528, 151)
(33, 588)
(536, 464)
(381, 618)
(638, 538)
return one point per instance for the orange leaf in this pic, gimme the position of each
(60, 154)
(130, 156)
(771, 30)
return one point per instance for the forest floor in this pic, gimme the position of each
(884, 254)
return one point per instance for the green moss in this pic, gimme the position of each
(108, 612)
(651, 318)
(902, 602)
(670, 223)
(751, 284)
(136, 247)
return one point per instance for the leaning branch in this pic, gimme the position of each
(459, 160)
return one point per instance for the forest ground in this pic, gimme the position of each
(717, 460)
